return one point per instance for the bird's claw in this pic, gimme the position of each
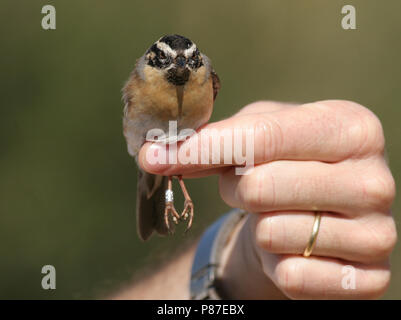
(170, 210)
(188, 212)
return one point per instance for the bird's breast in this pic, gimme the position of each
(159, 99)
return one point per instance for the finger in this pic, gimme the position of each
(324, 278)
(204, 173)
(195, 173)
(264, 107)
(329, 131)
(368, 240)
(310, 185)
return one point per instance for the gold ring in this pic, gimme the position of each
(313, 237)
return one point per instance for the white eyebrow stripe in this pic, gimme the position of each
(166, 48)
(188, 52)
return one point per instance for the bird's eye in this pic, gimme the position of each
(193, 60)
(162, 55)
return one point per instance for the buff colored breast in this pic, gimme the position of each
(157, 98)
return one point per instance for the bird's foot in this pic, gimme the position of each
(169, 210)
(188, 212)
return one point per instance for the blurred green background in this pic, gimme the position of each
(67, 184)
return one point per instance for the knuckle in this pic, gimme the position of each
(226, 186)
(290, 278)
(264, 232)
(250, 108)
(345, 106)
(376, 283)
(268, 136)
(223, 189)
(379, 190)
(383, 283)
(381, 239)
(263, 106)
(363, 129)
(374, 134)
(255, 104)
(254, 190)
(367, 132)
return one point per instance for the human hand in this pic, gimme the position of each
(325, 156)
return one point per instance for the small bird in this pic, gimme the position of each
(172, 81)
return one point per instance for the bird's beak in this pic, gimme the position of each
(179, 75)
(180, 61)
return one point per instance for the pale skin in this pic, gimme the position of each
(326, 156)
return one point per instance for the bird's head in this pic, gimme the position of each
(176, 56)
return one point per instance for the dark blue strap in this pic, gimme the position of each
(208, 254)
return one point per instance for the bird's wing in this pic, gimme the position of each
(213, 74)
(216, 84)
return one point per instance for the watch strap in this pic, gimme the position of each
(208, 255)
